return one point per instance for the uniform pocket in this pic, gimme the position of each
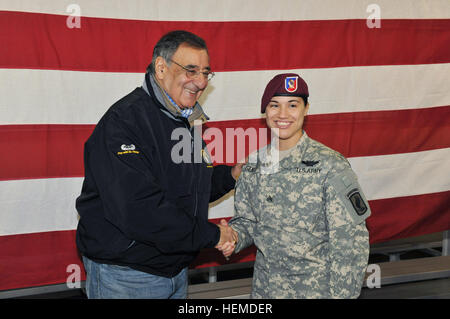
(293, 201)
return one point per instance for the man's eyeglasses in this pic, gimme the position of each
(193, 73)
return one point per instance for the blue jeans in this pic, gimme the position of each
(105, 281)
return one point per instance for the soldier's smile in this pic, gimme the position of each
(283, 124)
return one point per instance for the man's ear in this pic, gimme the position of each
(160, 68)
(306, 108)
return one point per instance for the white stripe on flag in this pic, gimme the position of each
(237, 10)
(39, 205)
(83, 97)
(406, 174)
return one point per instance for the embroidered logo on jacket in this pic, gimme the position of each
(309, 167)
(310, 163)
(128, 149)
(206, 158)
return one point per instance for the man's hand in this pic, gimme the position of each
(237, 169)
(227, 249)
(228, 239)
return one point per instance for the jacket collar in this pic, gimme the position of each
(153, 89)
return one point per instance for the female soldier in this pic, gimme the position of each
(301, 205)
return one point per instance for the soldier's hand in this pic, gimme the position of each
(227, 249)
(228, 238)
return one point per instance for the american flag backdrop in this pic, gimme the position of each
(379, 94)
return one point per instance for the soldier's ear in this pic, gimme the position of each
(306, 108)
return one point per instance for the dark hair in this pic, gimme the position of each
(305, 99)
(170, 42)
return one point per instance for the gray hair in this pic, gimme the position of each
(169, 43)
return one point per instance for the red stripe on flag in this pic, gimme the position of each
(369, 133)
(37, 259)
(42, 151)
(47, 151)
(403, 217)
(43, 41)
(42, 258)
(382, 132)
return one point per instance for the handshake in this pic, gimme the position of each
(228, 239)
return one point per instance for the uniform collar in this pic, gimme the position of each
(295, 157)
(293, 160)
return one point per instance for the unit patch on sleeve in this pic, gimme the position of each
(348, 190)
(357, 202)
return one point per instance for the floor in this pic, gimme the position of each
(431, 289)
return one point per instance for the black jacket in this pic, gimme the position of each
(137, 207)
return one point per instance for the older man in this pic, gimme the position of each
(144, 214)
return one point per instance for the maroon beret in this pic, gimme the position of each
(286, 84)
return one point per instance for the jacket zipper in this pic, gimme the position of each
(193, 167)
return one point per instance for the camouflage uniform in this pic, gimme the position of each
(307, 220)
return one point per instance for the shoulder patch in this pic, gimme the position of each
(349, 192)
(357, 202)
